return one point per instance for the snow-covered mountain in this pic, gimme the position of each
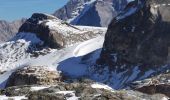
(51, 59)
(90, 12)
(31, 47)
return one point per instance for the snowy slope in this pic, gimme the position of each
(19, 52)
(74, 61)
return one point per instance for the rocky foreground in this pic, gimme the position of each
(76, 91)
(50, 59)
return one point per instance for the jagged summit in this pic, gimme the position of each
(90, 12)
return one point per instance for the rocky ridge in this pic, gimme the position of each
(90, 12)
(56, 33)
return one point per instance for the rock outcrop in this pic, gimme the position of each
(9, 29)
(90, 12)
(156, 84)
(139, 36)
(54, 32)
(136, 45)
(34, 75)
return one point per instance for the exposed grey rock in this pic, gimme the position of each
(9, 29)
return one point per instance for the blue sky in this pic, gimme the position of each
(15, 9)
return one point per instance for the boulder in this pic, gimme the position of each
(33, 75)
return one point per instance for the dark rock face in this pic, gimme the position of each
(98, 13)
(139, 36)
(54, 32)
(33, 75)
(9, 29)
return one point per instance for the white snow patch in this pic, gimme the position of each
(101, 86)
(28, 37)
(36, 88)
(165, 98)
(63, 28)
(88, 46)
(71, 64)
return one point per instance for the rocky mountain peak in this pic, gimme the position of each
(90, 12)
(54, 32)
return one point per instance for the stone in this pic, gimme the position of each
(30, 75)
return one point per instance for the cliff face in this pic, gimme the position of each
(9, 29)
(139, 36)
(90, 12)
(136, 44)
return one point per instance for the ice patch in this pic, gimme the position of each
(101, 86)
(38, 88)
